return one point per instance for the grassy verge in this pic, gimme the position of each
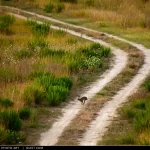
(132, 121)
(127, 19)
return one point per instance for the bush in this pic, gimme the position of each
(50, 52)
(41, 30)
(64, 81)
(147, 85)
(24, 113)
(55, 89)
(37, 44)
(5, 22)
(33, 95)
(10, 119)
(6, 102)
(13, 137)
(105, 52)
(60, 7)
(55, 95)
(49, 8)
(127, 139)
(38, 30)
(23, 53)
(93, 63)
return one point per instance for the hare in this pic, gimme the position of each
(82, 99)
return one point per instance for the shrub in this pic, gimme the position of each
(139, 104)
(34, 45)
(2, 135)
(142, 120)
(64, 81)
(13, 137)
(49, 7)
(127, 139)
(56, 89)
(147, 85)
(24, 113)
(33, 95)
(5, 22)
(10, 119)
(51, 52)
(55, 95)
(105, 52)
(60, 7)
(23, 53)
(6, 102)
(38, 30)
(93, 63)
(41, 30)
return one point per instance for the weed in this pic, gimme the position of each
(6, 102)
(24, 113)
(10, 120)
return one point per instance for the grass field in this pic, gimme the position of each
(129, 18)
(39, 67)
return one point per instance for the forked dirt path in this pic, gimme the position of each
(98, 127)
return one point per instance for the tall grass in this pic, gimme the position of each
(5, 22)
(53, 90)
(139, 114)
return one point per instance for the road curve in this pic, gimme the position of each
(70, 111)
(98, 126)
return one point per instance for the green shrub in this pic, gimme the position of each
(49, 8)
(60, 7)
(33, 95)
(64, 81)
(127, 139)
(93, 63)
(56, 89)
(128, 112)
(41, 30)
(139, 104)
(142, 120)
(50, 52)
(23, 53)
(2, 135)
(6, 102)
(59, 33)
(105, 52)
(24, 113)
(55, 95)
(5, 22)
(10, 119)
(13, 137)
(7, 75)
(37, 74)
(34, 45)
(147, 85)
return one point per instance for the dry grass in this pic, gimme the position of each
(23, 67)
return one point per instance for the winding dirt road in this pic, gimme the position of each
(98, 126)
